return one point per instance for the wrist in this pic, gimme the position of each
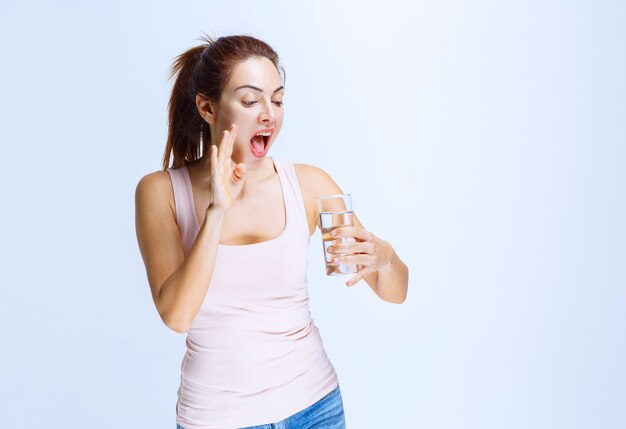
(214, 213)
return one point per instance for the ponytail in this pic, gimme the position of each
(184, 121)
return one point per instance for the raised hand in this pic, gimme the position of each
(227, 177)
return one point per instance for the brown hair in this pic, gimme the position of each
(204, 69)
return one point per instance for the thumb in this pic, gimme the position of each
(239, 173)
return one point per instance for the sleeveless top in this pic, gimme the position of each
(254, 355)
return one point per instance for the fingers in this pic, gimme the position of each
(214, 161)
(359, 258)
(356, 247)
(233, 135)
(225, 150)
(353, 231)
(362, 272)
(222, 146)
(239, 173)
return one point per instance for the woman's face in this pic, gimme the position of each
(253, 100)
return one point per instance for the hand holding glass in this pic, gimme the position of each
(335, 212)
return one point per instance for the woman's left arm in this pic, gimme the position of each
(377, 261)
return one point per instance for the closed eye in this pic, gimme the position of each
(250, 103)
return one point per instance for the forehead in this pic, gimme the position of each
(256, 71)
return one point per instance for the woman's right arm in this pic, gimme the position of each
(178, 284)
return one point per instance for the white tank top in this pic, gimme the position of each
(254, 355)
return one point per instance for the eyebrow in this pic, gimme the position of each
(259, 89)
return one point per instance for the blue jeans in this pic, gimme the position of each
(327, 413)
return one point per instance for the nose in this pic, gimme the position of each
(268, 113)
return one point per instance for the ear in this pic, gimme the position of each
(206, 108)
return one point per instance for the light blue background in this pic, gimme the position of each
(484, 140)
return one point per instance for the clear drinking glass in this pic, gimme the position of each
(335, 211)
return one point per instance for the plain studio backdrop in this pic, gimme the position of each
(484, 140)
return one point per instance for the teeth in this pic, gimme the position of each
(264, 134)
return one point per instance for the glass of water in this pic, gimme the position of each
(336, 211)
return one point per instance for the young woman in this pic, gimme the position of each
(224, 235)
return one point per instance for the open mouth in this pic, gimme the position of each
(258, 145)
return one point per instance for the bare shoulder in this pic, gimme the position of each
(157, 179)
(316, 180)
(155, 189)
